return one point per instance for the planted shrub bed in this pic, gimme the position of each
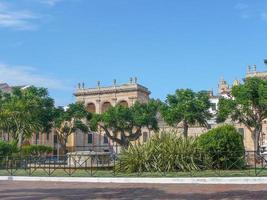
(164, 152)
(220, 148)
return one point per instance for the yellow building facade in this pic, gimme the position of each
(98, 100)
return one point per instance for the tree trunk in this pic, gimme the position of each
(64, 146)
(185, 126)
(125, 146)
(20, 140)
(256, 135)
(121, 141)
(124, 141)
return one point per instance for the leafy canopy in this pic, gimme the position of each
(122, 124)
(187, 107)
(248, 106)
(68, 121)
(26, 111)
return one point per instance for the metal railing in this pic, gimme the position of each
(89, 162)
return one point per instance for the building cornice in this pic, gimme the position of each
(256, 74)
(112, 89)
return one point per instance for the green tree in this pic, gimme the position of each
(186, 107)
(25, 112)
(248, 106)
(123, 125)
(3, 118)
(69, 121)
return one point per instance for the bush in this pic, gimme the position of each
(223, 147)
(8, 148)
(162, 153)
(36, 150)
(5, 149)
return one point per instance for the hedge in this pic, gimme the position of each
(224, 147)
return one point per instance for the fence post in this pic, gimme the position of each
(114, 159)
(255, 163)
(30, 167)
(91, 167)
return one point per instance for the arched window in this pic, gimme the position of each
(105, 141)
(106, 106)
(91, 107)
(123, 103)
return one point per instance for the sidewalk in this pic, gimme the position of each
(143, 180)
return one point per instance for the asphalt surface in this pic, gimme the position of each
(12, 190)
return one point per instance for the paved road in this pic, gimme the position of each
(81, 191)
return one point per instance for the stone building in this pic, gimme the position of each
(98, 100)
(252, 72)
(223, 88)
(5, 88)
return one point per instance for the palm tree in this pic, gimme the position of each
(4, 122)
(25, 112)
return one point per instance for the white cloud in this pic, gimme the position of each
(241, 6)
(244, 10)
(50, 2)
(24, 75)
(250, 11)
(16, 19)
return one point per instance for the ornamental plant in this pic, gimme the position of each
(164, 152)
(223, 148)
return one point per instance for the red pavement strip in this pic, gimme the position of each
(17, 190)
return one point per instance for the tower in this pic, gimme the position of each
(223, 87)
(236, 82)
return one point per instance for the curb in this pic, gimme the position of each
(207, 180)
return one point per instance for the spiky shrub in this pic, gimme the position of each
(164, 152)
(223, 147)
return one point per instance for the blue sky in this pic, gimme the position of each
(167, 44)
